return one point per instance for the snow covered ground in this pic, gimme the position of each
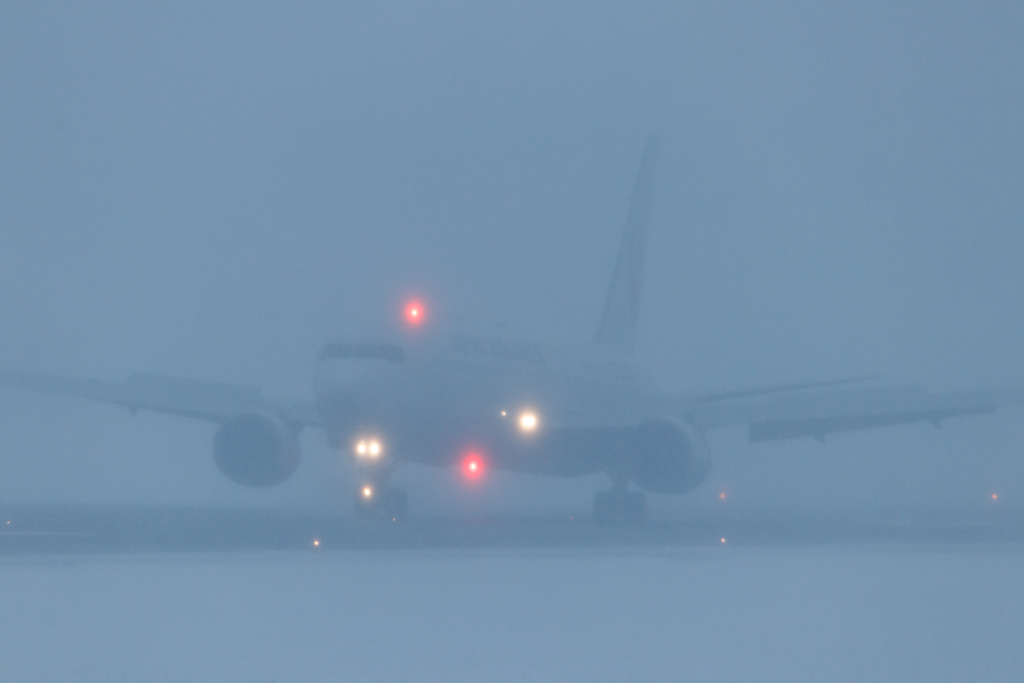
(807, 613)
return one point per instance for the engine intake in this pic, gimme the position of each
(256, 450)
(669, 457)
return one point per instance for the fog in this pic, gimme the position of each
(214, 190)
(776, 615)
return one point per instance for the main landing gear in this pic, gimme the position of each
(619, 505)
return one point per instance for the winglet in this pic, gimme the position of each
(618, 324)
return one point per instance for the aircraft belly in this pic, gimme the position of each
(437, 416)
(571, 452)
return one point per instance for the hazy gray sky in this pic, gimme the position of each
(214, 190)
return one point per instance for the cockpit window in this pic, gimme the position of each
(388, 352)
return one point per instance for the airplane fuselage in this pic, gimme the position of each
(515, 405)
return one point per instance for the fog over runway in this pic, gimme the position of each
(40, 530)
(934, 612)
(223, 190)
(101, 593)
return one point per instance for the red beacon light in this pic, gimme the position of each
(415, 313)
(473, 466)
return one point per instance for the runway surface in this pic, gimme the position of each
(38, 529)
(127, 593)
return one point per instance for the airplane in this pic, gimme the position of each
(476, 403)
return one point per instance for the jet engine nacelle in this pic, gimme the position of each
(254, 449)
(669, 457)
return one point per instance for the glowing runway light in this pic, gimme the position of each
(367, 492)
(722, 495)
(473, 466)
(415, 313)
(994, 497)
(316, 543)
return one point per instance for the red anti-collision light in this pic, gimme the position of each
(415, 313)
(473, 466)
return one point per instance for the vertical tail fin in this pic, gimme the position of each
(618, 324)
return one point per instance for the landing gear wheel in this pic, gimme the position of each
(388, 503)
(615, 506)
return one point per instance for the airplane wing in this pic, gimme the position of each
(210, 401)
(818, 413)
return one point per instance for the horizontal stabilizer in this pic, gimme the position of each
(820, 428)
(818, 413)
(762, 391)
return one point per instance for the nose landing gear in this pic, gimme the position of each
(373, 498)
(620, 505)
(373, 501)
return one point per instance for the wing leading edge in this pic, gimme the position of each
(212, 401)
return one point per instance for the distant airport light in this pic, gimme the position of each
(316, 543)
(473, 466)
(367, 492)
(723, 540)
(528, 421)
(994, 497)
(415, 313)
